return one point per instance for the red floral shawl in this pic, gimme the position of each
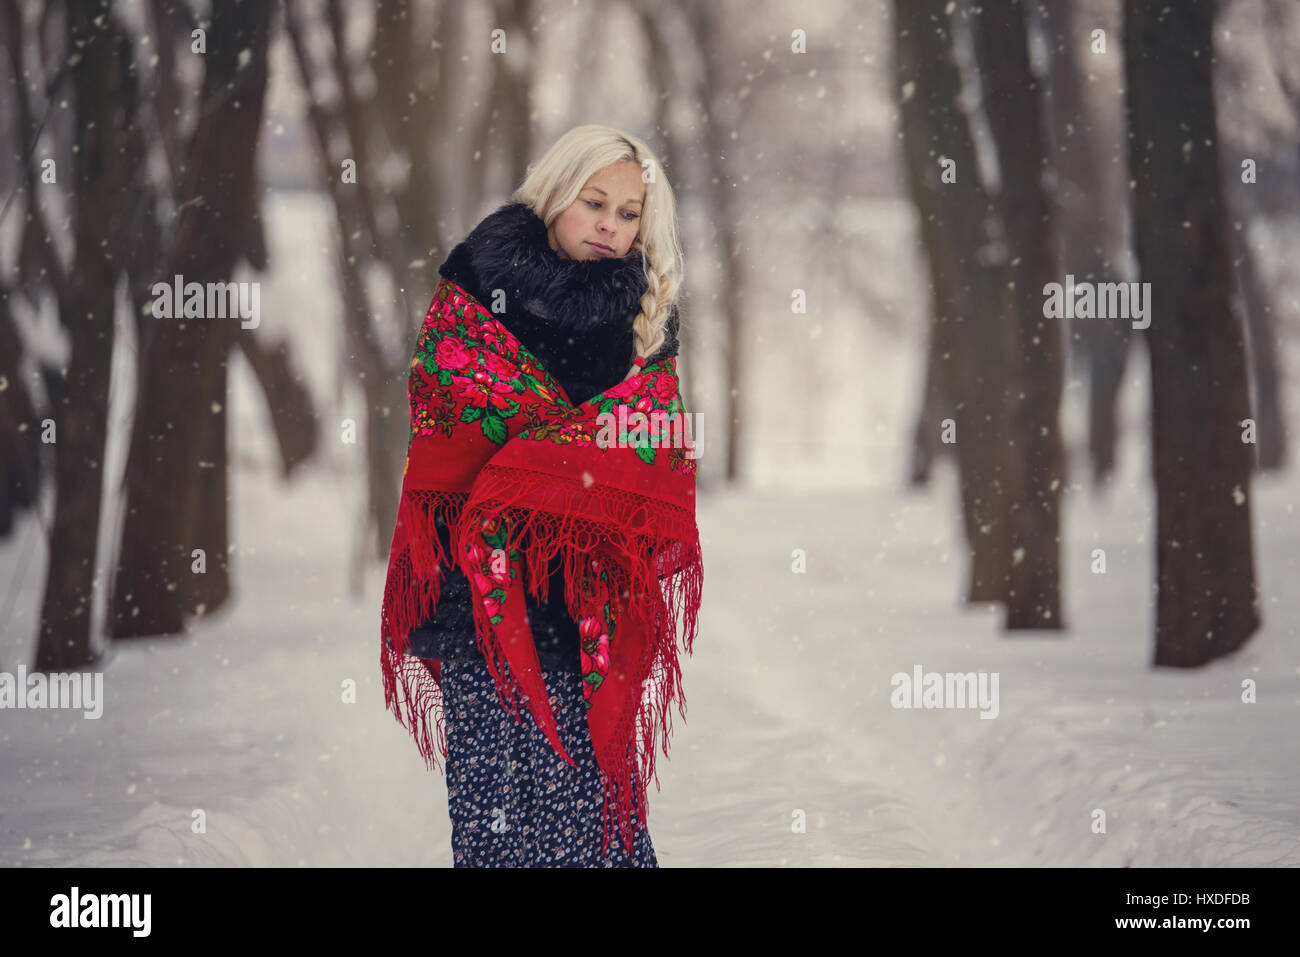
(520, 475)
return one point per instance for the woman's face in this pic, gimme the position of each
(607, 212)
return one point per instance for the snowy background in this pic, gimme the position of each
(789, 689)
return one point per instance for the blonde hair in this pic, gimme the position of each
(553, 183)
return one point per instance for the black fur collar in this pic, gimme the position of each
(508, 250)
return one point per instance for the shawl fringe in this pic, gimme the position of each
(629, 535)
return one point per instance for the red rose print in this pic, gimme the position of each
(481, 390)
(452, 354)
(500, 367)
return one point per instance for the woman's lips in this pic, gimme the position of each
(600, 246)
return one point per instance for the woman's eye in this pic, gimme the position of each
(628, 217)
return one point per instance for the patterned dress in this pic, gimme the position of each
(513, 801)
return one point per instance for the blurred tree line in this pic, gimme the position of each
(132, 130)
(1108, 174)
(126, 169)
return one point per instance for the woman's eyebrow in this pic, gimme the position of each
(603, 193)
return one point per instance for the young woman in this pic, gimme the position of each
(584, 268)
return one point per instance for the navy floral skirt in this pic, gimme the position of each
(513, 801)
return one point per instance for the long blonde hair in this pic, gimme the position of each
(552, 185)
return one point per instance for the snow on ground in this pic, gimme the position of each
(788, 692)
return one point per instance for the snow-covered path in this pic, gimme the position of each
(788, 710)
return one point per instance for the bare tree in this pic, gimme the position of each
(1207, 601)
(966, 268)
(352, 123)
(722, 111)
(663, 28)
(21, 475)
(1033, 452)
(176, 468)
(1248, 131)
(86, 293)
(1090, 202)
(504, 127)
(19, 460)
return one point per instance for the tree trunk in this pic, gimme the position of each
(719, 114)
(965, 277)
(176, 470)
(1090, 208)
(386, 434)
(86, 311)
(661, 49)
(20, 464)
(1261, 350)
(289, 404)
(1033, 451)
(1207, 603)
